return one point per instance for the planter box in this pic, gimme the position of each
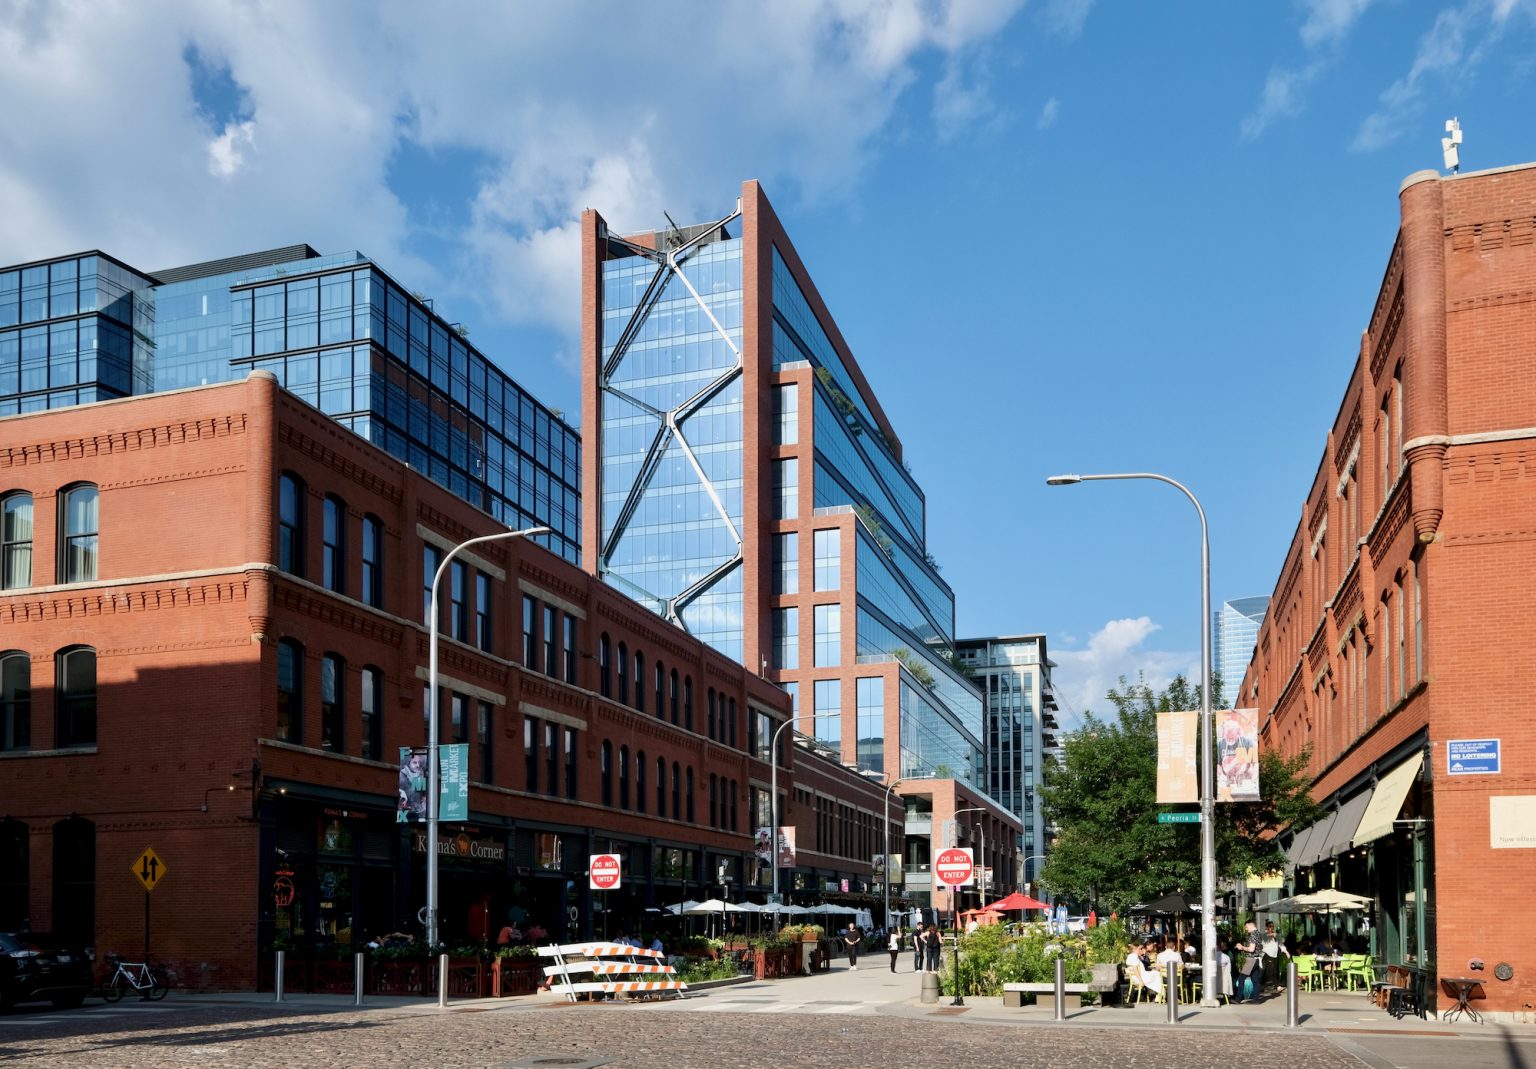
(515, 976)
(774, 964)
(415, 976)
(332, 977)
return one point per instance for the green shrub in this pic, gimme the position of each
(991, 956)
(698, 970)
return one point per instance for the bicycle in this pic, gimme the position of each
(136, 975)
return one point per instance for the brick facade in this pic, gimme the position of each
(1398, 616)
(268, 811)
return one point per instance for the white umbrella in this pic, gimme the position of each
(681, 907)
(1332, 898)
(714, 905)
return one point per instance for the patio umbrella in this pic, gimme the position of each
(1016, 901)
(1175, 904)
(714, 905)
(1332, 898)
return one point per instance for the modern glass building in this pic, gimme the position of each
(750, 488)
(1013, 673)
(336, 330)
(1234, 630)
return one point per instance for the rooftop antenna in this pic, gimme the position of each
(1450, 144)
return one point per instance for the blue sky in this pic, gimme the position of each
(1058, 236)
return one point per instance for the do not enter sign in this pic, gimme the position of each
(954, 867)
(603, 872)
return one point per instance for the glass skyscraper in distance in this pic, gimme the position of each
(336, 330)
(746, 484)
(1234, 630)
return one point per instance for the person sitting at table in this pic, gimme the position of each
(1322, 948)
(1137, 972)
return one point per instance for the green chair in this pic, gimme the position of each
(1308, 975)
(1356, 969)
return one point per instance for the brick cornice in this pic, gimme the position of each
(124, 441)
(1386, 334)
(1389, 523)
(336, 460)
(64, 604)
(317, 606)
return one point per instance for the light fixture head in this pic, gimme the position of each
(1063, 480)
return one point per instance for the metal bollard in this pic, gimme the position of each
(1292, 996)
(929, 988)
(277, 983)
(1171, 991)
(1059, 996)
(442, 981)
(359, 962)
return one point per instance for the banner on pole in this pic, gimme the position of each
(453, 781)
(1237, 755)
(1177, 774)
(411, 808)
(786, 847)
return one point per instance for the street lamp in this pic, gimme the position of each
(1208, 990)
(432, 713)
(773, 804)
(954, 915)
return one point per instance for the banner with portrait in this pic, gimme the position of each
(1237, 755)
(411, 806)
(786, 847)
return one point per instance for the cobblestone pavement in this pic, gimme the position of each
(633, 1037)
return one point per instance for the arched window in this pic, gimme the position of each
(607, 771)
(677, 791)
(373, 562)
(290, 524)
(78, 522)
(661, 786)
(639, 681)
(15, 541)
(661, 691)
(623, 777)
(75, 685)
(371, 688)
(333, 710)
(689, 795)
(623, 673)
(673, 693)
(640, 802)
(333, 545)
(15, 701)
(605, 665)
(688, 702)
(290, 691)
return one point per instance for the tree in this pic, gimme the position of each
(1101, 795)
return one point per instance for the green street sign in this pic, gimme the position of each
(1178, 818)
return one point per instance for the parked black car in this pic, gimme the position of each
(34, 968)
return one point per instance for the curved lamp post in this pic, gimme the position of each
(773, 805)
(433, 787)
(1208, 989)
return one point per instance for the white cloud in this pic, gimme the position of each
(642, 115)
(1066, 17)
(1281, 99)
(224, 155)
(1440, 50)
(1048, 113)
(1084, 676)
(1329, 21)
(1323, 33)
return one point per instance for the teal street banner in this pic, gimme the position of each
(453, 773)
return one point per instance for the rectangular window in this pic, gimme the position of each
(370, 686)
(829, 714)
(1386, 653)
(486, 738)
(570, 763)
(333, 549)
(786, 556)
(1418, 623)
(531, 753)
(483, 611)
(551, 759)
(458, 607)
(786, 638)
(786, 401)
(871, 723)
(829, 636)
(458, 718)
(786, 479)
(828, 560)
(568, 648)
(373, 560)
(431, 560)
(530, 632)
(332, 710)
(551, 636)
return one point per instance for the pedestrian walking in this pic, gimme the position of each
(893, 944)
(852, 938)
(919, 952)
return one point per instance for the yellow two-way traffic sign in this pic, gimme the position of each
(149, 869)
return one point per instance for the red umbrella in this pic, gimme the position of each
(1017, 901)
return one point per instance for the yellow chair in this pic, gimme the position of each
(1308, 975)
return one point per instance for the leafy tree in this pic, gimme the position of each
(1101, 795)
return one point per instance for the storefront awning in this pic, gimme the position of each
(1387, 801)
(1298, 847)
(1342, 835)
(1320, 832)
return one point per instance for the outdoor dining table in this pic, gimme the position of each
(1460, 988)
(1330, 965)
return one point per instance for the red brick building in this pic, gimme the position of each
(1393, 650)
(213, 647)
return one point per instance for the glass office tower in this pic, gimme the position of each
(1234, 630)
(336, 330)
(749, 487)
